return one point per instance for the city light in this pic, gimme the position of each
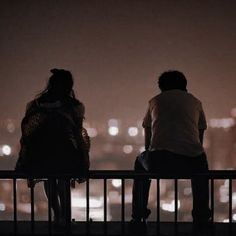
(113, 130)
(81, 202)
(233, 112)
(224, 192)
(2, 207)
(98, 215)
(234, 217)
(127, 149)
(170, 206)
(233, 200)
(141, 149)
(92, 132)
(133, 131)
(6, 150)
(26, 207)
(222, 123)
(143, 132)
(187, 191)
(10, 126)
(116, 183)
(113, 122)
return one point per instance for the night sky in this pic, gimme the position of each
(116, 50)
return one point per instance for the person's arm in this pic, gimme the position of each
(201, 135)
(147, 121)
(82, 135)
(147, 135)
(202, 124)
(78, 113)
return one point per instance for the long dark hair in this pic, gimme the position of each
(59, 86)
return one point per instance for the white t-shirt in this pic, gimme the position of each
(175, 118)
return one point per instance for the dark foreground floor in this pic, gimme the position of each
(113, 228)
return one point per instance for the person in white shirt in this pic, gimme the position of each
(174, 126)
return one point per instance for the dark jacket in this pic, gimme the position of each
(53, 139)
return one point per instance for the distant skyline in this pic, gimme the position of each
(116, 50)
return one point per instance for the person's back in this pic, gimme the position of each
(49, 135)
(174, 125)
(54, 140)
(176, 117)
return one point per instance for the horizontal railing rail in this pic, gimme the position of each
(119, 174)
(124, 175)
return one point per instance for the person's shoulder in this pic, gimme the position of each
(78, 104)
(194, 98)
(194, 101)
(72, 101)
(31, 106)
(154, 99)
(78, 107)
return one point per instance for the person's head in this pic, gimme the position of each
(60, 84)
(172, 79)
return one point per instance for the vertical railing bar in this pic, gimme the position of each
(176, 205)
(158, 207)
(123, 200)
(49, 186)
(68, 205)
(87, 208)
(105, 206)
(32, 205)
(212, 200)
(230, 206)
(123, 206)
(15, 206)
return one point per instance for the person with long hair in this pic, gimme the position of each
(53, 139)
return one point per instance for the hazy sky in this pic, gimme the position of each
(115, 50)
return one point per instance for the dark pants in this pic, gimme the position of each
(59, 192)
(162, 162)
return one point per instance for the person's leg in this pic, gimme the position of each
(200, 190)
(51, 185)
(64, 195)
(140, 195)
(157, 161)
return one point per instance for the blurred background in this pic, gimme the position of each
(116, 50)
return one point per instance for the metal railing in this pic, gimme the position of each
(123, 176)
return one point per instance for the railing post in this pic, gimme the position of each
(68, 205)
(87, 208)
(15, 206)
(230, 206)
(49, 189)
(32, 206)
(122, 206)
(176, 205)
(105, 206)
(231, 175)
(212, 200)
(158, 208)
(212, 205)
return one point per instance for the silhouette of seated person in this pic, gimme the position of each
(54, 141)
(174, 125)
